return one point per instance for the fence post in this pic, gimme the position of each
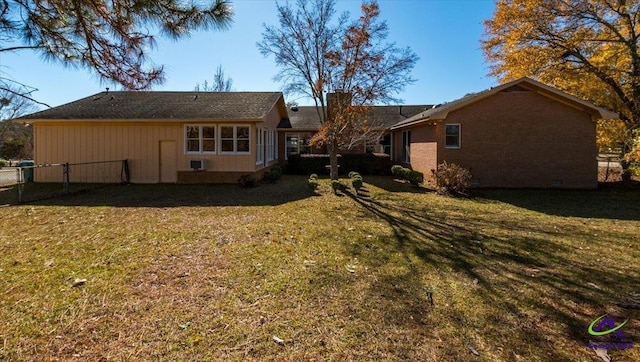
(65, 178)
(125, 172)
(20, 184)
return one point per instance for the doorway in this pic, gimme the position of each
(168, 162)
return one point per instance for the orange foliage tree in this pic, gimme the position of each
(589, 48)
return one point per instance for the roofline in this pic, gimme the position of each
(596, 112)
(136, 120)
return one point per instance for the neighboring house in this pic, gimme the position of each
(161, 133)
(519, 134)
(296, 131)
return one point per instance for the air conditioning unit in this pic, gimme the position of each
(198, 164)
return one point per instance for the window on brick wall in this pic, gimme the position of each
(452, 136)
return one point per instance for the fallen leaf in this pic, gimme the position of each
(279, 341)
(473, 350)
(78, 282)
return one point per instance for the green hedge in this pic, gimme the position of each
(363, 163)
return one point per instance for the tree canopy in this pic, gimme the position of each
(319, 55)
(588, 48)
(111, 38)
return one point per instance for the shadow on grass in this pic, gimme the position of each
(288, 189)
(527, 282)
(390, 184)
(605, 203)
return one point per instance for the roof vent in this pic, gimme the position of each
(294, 108)
(436, 106)
(195, 97)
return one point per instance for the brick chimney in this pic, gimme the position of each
(337, 100)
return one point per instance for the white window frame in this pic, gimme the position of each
(235, 139)
(452, 147)
(260, 145)
(200, 139)
(406, 145)
(270, 142)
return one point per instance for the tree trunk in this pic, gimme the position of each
(333, 159)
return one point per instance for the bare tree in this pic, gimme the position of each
(111, 38)
(16, 140)
(220, 83)
(349, 59)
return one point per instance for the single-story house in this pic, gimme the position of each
(167, 137)
(295, 132)
(519, 134)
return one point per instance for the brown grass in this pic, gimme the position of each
(215, 272)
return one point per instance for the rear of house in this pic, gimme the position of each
(167, 137)
(520, 134)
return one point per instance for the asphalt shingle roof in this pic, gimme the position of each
(164, 105)
(306, 117)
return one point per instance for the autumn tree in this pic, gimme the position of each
(111, 38)
(349, 59)
(220, 83)
(588, 48)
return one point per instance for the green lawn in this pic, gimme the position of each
(215, 272)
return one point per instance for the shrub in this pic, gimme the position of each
(4, 163)
(273, 174)
(247, 181)
(415, 178)
(353, 173)
(452, 179)
(396, 170)
(356, 182)
(312, 183)
(336, 185)
(313, 176)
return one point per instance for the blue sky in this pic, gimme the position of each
(445, 34)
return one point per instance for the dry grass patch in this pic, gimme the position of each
(215, 272)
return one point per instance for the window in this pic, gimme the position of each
(452, 136)
(385, 143)
(271, 145)
(298, 143)
(234, 139)
(260, 146)
(200, 139)
(406, 146)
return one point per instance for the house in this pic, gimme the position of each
(295, 132)
(167, 137)
(521, 134)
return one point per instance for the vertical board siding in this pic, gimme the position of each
(139, 142)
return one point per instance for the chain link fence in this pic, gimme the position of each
(37, 182)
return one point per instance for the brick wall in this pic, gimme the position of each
(522, 139)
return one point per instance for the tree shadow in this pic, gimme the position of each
(287, 189)
(607, 203)
(526, 268)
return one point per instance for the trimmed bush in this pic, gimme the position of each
(336, 185)
(415, 178)
(247, 181)
(352, 174)
(452, 179)
(396, 170)
(4, 163)
(273, 174)
(357, 182)
(313, 184)
(313, 176)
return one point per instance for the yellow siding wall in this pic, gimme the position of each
(139, 142)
